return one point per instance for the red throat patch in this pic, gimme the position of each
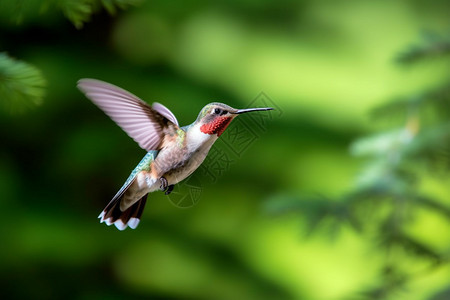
(217, 126)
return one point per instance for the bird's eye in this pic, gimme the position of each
(217, 111)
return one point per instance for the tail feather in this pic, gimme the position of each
(122, 219)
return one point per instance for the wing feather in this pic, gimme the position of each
(165, 112)
(143, 123)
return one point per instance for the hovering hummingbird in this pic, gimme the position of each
(174, 152)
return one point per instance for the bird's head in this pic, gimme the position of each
(215, 117)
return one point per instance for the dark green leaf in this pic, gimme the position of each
(21, 85)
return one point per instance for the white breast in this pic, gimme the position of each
(197, 139)
(198, 146)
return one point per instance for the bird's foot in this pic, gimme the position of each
(164, 184)
(169, 189)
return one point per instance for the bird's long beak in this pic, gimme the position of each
(246, 110)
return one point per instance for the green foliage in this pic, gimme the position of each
(322, 64)
(21, 85)
(432, 45)
(112, 5)
(78, 12)
(17, 11)
(387, 195)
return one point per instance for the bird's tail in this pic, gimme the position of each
(122, 219)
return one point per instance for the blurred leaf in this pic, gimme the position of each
(77, 11)
(17, 11)
(391, 283)
(432, 146)
(112, 5)
(433, 45)
(394, 108)
(420, 249)
(386, 196)
(392, 236)
(380, 144)
(434, 205)
(80, 11)
(21, 85)
(437, 98)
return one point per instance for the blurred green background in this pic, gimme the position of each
(345, 194)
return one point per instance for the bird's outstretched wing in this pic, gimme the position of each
(145, 124)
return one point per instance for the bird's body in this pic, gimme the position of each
(175, 162)
(174, 152)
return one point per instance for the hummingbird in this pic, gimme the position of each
(173, 152)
